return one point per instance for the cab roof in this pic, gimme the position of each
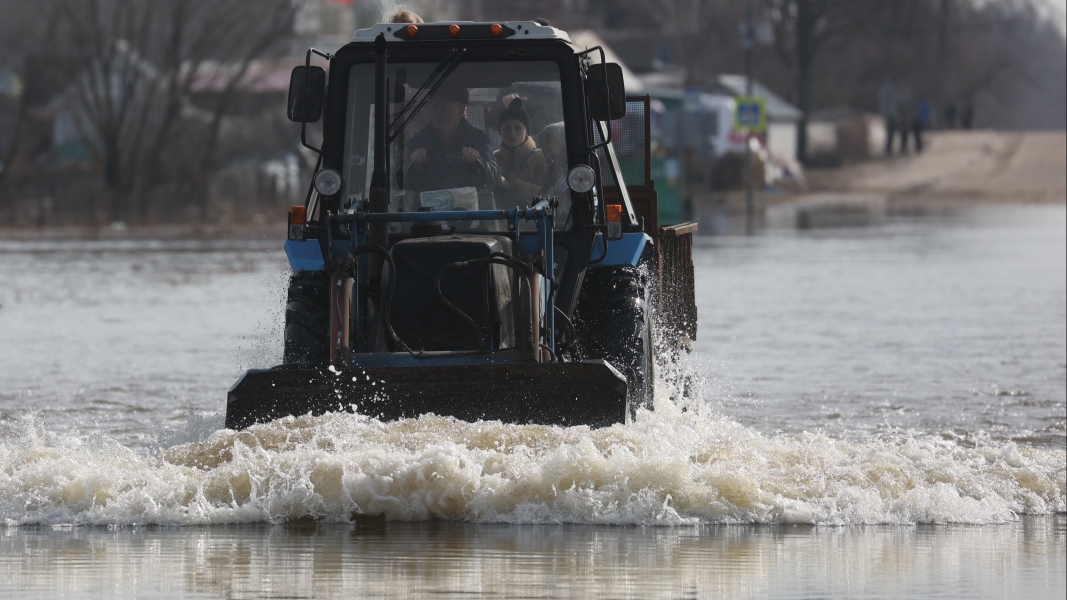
(526, 30)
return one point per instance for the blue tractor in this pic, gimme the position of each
(480, 239)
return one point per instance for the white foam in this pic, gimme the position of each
(667, 468)
(197, 429)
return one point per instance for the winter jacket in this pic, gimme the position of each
(524, 168)
(445, 168)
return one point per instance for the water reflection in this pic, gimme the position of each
(452, 559)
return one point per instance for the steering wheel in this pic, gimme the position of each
(444, 152)
(444, 168)
(448, 156)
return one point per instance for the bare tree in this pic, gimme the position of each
(127, 71)
(803, 29)
(21, 31)
(142, 59)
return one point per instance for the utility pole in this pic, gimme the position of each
(749, 43)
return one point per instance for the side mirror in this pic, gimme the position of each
(600, 80)
(305, 102)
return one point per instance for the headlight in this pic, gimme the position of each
(581, 179)
(327, 182)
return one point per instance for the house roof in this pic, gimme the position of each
(777, 108)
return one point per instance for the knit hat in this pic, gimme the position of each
(514, 112)
(453, 92)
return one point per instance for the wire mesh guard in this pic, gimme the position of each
(628, 137)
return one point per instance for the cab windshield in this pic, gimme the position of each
(491, 136)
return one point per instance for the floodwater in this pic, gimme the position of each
(872, 412)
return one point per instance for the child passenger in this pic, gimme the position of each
(522, 166)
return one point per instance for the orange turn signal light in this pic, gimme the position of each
(495, 29)
(298, 215)
(412, 31)
(613, 212)
(453, 30)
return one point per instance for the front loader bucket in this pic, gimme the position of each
(585, 393)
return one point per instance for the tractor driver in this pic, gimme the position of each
(450, 152)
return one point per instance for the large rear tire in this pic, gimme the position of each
(613, 321)
(307, 319)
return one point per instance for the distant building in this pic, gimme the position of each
(841, 135)
(782, 117)
(697, 130)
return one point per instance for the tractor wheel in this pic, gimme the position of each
(307, 319)
(613, 321)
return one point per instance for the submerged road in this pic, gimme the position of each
(872, 412)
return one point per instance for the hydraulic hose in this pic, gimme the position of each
(599, 211)
(527, 271)
(375, 248)
(453, 308)
(568, 327)
(386, 310)
(496, 258)
(604, 239)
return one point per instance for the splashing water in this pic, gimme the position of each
(669, 467)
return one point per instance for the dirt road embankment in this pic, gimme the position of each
(960, 167)
(957, 169)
